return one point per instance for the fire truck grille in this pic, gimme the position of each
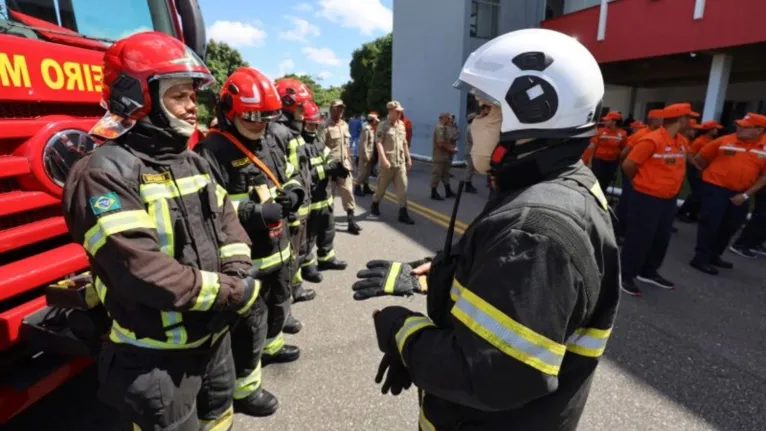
(15, 220)
(24, 111)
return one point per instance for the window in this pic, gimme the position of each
(484, 18)
(92, 18)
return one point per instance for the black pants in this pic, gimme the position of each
(160, 389)
(692, 203)
(650, 226)
(299, 242)
(604, 172)
(621, 227)
(321, 232)
(260, 330)
(754, 233)
(719, 221)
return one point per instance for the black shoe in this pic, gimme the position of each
(358, 191)
(367, 190)
(744, 252)
(353, 227)
(717, 261)
(435, 195)
(260, 403)
(301, 294)
(656, 280)
(292, 326)
(286, 354)
(704, 267)
(448, 191)
(469, 188)
(375, 209)
(311, 274)
(332, 264)
(629, 287)
(404, 217)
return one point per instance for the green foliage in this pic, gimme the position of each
(370, 85)
(379, 92)
(222, 60)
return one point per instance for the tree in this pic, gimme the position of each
(379, 92)
(222, 60)
(361, 69)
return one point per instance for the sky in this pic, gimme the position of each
(311, 37)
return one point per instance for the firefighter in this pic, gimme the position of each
(265, 189)
(520, 311)
(366, 146)
(324, 168)
(169, 258)
(336, 136)
(395, 161)
(293, 93)
(443, 149)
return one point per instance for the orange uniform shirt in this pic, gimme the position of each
(734, 165)
(699, 143)
(661, 167)
(608, 143)
(640, 133)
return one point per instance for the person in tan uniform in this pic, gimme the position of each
(337, 138)
(442, 151)
(366, 150)
(395, 161)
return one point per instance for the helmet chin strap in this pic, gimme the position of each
(535, 160)
(246, 133)
(177, 125)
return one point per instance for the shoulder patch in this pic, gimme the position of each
(105, 203)
(241, 162)
(155, 178)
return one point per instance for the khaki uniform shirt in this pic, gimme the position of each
(441, 137)
(337, 138)
(366, 143)
(393, 138)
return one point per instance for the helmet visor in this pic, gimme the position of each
(190, 66)
(260, 117)
(484, 98)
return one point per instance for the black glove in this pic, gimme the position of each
(289, 200)
(337, 170)
(229, 315)
(271, 213)
(397, 378)
(387, 322)
(384, 277)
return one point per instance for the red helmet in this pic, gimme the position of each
(132, 63)
(250, 95)
(293, 93)
(311, 113)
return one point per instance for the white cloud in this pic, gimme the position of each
(324, 75)
(301, 29)
(324, 56)
(235, 33)
(368, 16)
(286, 66)
(303, 7)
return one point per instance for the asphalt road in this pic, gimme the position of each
(688, 359)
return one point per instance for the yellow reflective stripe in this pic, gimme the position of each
(327, 257)
(316, 206)
(294, 223)
(292, 149)
(411, 325)
(247, 385)
(599, 195)
(308, 263)
(220, 194)
(173, 322)
(297, 278)
(159, 211)
(289, 169)
(590, 342)
(303, 211)
(112, 224)
(274, 345)
(293, 182)
(326, 153)
(256, 291)
(209, 291)
(316, 161)
(100, 289)
(321, 173)
(222, 423)
(273, 260)
(235, 249)
(173, 189)
(136, 427)
(121, 335)
(425, 424)
(393, 275)
(506, 334)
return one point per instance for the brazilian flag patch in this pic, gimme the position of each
(105, 203)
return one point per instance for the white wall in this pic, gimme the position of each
(617, 98)
(430, 42)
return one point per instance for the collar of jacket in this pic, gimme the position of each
(152, 143)
(553, 160)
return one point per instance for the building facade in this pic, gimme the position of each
(711, 53)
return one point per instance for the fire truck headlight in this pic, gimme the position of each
(63, 150)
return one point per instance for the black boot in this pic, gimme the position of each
(311, 273)
(404, 217)
(375, 209)
(469, 188)
(435, 195)
(301, 294)
(353, 227)
(448, 191)
(367, 190)
(286, 354)
(292, 326)
(358, 191)
(332, 264)
(260, 403)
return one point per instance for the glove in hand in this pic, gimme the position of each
(387, 322)
(397, 378)
(288, 200)
(384, 277)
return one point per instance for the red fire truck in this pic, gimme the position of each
(50, 86)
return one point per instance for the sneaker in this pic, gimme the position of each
(717, 261)
(657, 280)
(629, 287)
(744, 252)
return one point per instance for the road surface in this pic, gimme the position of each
(689, 359)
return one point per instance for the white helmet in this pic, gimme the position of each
(547, 84)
